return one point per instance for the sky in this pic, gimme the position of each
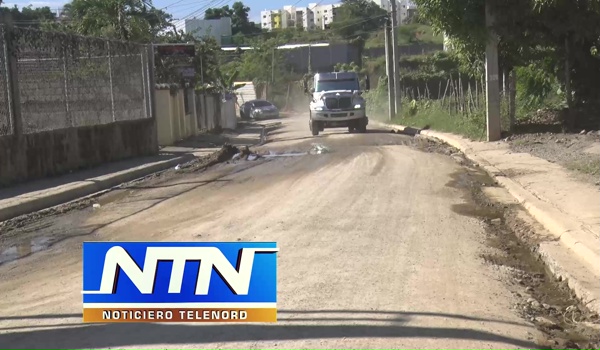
(180, 9)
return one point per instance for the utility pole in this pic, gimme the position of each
(396, 57)
(389, 69)
(273, 66)
(204, 109)
(494, 127)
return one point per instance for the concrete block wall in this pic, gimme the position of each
(173, 123)
(50, 153)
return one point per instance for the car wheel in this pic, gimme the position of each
(350, 129)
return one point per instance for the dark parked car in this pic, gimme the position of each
(258, 109)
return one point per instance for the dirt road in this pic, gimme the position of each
(375, 252)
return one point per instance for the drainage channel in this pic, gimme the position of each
(540, 298)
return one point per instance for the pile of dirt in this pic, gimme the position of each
(224, 154)
(572, 151)
(544, 116)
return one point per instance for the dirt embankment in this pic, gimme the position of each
(540, 134)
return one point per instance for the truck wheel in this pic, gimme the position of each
(314, 127)
(362, 127)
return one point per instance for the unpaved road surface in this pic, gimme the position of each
(378, 249)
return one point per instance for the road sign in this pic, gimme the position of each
(187, 72)
(176, 50)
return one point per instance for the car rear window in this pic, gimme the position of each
(262, 104)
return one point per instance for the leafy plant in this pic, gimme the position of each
(226, 82)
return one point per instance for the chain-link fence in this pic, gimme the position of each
(71, 81)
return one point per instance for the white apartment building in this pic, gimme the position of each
(314, 16)
(216, 28)
(405, 8)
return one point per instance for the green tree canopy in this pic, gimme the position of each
(238, 13)
(358, 18)
(567, 31)
(134, 20)
(29, 16)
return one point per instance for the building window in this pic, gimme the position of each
(264, 16)
(324, 11)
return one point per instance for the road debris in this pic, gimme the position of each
(318, 148)
(96, 206)
(227, 152)
(246, 154)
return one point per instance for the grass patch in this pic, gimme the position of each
(431, 114)
(590, 167)
(445, 123)
(408, 34)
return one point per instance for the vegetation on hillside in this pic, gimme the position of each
(359, 22)
(551, 43)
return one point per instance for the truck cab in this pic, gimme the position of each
(336, 101)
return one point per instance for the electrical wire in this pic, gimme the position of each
(212, 4)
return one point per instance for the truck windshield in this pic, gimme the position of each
(337, 84)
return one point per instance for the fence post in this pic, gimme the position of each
(151, 87)
(152, 94)
(66, 85)
(110, 80)
(14, 96)
(143, 50)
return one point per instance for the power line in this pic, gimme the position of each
(212, 4)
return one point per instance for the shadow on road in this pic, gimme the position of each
(391, 325)
(88, 230)
(82, 175)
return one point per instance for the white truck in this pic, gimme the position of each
(336, 101)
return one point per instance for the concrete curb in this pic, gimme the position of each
(568, 232)
(66, 193)
(69, 192)
(565, 229)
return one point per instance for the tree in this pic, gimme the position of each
(529, 31)
(29, 16)
(238, 13)
(133, 20)
(358, 18)
(218, 12)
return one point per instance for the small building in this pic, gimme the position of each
(216, 28)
